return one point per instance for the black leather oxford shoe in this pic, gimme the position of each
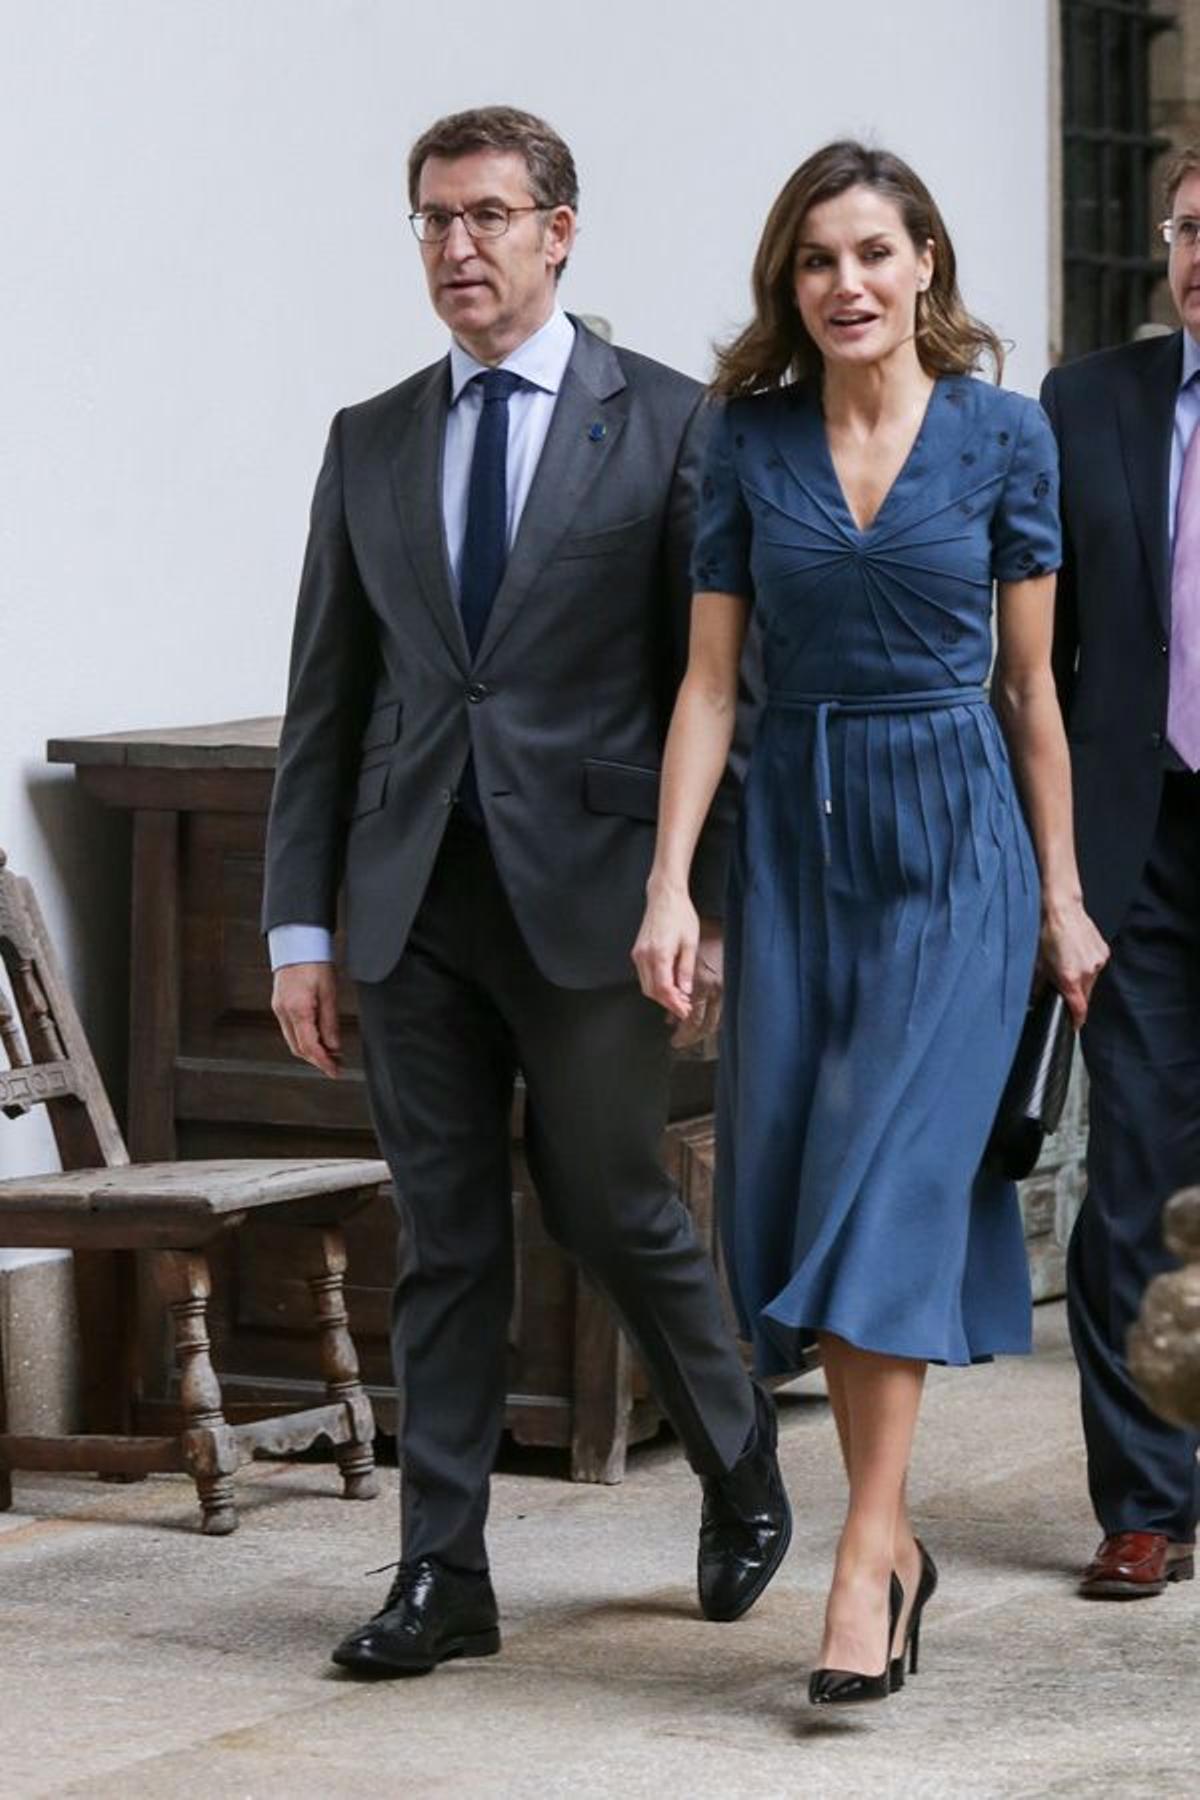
(431, 1614)
(745, 1525)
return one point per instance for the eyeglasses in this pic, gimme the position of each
(432, 225)
(1181, 234)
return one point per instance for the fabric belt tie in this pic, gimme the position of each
(822, 705)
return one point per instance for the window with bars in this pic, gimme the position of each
(1109, 266)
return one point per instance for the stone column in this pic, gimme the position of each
(39, 1341)
(1164, 1345)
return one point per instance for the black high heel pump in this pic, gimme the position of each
(912, 1632)
(843, 1687)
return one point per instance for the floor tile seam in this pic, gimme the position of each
(1023, 1793)
(924, 1494)
(640, 1680)
(568, 1612)
(203, 1741)
(30, 1534)
(767, 1752)
(1019, 1464)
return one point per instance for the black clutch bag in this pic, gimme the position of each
(1036, 1091)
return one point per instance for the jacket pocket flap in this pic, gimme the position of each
(383, 726)
(613, 787)
(604, 540)
(372, 784)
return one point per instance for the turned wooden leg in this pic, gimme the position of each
(208, 1443)
(325, 1273)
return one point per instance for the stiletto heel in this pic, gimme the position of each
(842, 1687)
(910, 1649)
(925, 1591)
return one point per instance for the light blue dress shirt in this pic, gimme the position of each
(541, 362)
(1187, 417)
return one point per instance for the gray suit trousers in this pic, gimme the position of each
(444, 1035)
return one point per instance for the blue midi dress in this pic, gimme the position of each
(883, 907)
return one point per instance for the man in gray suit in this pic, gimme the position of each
(491, 625)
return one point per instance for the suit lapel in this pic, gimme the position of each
(417, 492)
(588, 419)
(1146, 412)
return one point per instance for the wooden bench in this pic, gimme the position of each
(109, 1212)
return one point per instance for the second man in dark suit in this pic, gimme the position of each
(491, 626)
(1127, 660)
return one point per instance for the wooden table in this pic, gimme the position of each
(209, 1076)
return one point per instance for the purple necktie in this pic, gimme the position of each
(1183, 705)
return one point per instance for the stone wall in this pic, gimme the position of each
(1174, 107)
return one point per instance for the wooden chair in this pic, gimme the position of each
(107, 1210)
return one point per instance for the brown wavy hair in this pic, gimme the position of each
(774, 349)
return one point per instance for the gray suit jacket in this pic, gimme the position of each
(565, 706)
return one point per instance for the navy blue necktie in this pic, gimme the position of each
(485, 546)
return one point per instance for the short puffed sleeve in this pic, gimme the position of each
(1026, 534)
(721, 553)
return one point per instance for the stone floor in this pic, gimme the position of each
(137, 1658)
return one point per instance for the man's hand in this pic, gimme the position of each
(304, 1000)
(708, 983)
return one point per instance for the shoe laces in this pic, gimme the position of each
(723, 1514)
(402, 1582)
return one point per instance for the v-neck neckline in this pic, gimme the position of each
(863, 531)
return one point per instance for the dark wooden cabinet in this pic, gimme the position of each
(209, 1076)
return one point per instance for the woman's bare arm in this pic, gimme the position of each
(702, 726)
(1023, 692)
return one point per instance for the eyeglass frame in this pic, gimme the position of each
(463, 213)
(1167, 229)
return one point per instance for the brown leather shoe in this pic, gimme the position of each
(1133, 1565)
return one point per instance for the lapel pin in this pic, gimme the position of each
(596, 431)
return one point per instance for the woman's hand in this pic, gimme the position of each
(1071, 955)
(665, 953)
(708, 984)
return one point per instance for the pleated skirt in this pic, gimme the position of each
(878, 966)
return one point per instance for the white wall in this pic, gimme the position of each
(203, 253)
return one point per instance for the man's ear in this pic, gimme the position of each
(561, 229)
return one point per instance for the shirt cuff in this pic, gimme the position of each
(299, 943)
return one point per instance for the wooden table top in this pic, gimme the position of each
(233, 744)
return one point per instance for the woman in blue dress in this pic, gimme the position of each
(864, 494)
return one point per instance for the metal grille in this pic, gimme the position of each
(1108, 147)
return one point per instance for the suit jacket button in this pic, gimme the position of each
(1164, 649)
(447, 796)
(1156, 738)
(477, 692)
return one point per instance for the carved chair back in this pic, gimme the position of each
(49, 1061)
